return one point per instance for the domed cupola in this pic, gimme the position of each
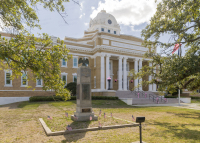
(104, 22)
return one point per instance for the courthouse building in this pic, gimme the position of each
(110, 53)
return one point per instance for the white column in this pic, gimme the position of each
(120, 73)
(107, 70)
(102, 73)
(124, 73)
(150, 78)
(136, 71)
(140, 80)
(154, 85)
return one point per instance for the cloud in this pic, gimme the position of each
(86, 24)
(81, 15)
(128, 12)
(92, 7)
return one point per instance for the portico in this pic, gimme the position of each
(121, 63)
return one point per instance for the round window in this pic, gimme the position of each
(109, 21)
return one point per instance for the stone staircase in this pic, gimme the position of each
(144, 97)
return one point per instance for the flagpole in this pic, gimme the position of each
(179, 91)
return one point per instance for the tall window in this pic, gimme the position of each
(75, 62)
(115, 32)
(127, 66)
(95, 82)
(8, 81)
(64, 63)
(94, 62)
(102, 29)
(108, 31)
(38, 82)
(24, 81)
(64, 77)
(74, 78)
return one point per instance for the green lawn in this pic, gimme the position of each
(163, 124)
(195, 101)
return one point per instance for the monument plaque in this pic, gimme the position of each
(86, 110)
(83, 94)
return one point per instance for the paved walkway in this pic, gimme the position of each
(195, 106)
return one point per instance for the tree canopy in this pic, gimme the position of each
(181, 20)
(25, 52)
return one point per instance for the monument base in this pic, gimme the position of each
(84, 118)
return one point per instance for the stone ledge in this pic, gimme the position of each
(50, 133)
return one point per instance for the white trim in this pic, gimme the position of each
(39, 85)
(73, 77)
(62, 63)
(100, 90)
(75, 57)
(105, 42)
(79, 42)
(95, 62)
(122, 40)
(95, 82)
(7, 85)
(74, 74)
(102, 72)
(64, 74)
(26, 80)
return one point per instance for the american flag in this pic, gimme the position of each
(100, 113)
(111, 114)
(90, 117)
(75, 117)
(176, 47)
(66, 114)
(99, 124)
(49, 118)
(69, 128)
(133, 118)
(104, 115)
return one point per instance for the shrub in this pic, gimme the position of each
(171, 97)
(58, 98)
(71, 87)
(176, 92)
(194, 97)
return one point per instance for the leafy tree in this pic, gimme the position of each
(25, 52)
(71, 87)
(181, 20)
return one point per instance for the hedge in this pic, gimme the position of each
(58, 98)
(171, 97)
(194, 97)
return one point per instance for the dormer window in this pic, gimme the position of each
(108, 31)
(115, 32)
(102, 29)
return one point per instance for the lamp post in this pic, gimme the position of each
(140, 120)
(109, 79)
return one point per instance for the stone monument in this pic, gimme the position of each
(83, 94)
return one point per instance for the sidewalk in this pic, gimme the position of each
(151, 105)
(194, 106)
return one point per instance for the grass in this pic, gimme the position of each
(60, 123)
(20, 123)
(195, 100)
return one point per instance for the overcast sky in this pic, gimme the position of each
(132, 15)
